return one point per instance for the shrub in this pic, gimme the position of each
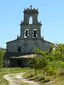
(1, 58)
(50, 70)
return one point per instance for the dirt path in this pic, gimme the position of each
(17, 79)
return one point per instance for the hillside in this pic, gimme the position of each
(2, 49)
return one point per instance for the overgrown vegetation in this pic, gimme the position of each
(2, 52)
(5, 71)
(48, 65)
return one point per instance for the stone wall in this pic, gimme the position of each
(27, 45)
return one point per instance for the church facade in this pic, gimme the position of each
(30, 36)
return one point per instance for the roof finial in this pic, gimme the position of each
(30, 6)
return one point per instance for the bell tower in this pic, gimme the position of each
(29, 39)
(30, 28)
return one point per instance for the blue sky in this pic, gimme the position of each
(51, 15)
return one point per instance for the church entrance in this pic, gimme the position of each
(19, 63)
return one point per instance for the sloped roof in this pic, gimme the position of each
(24, 56)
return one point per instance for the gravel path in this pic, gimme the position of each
(17, 79)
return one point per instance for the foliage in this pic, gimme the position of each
(50, 60)
(50, 70)
(58, 53)
(50, 64)
(2, 58)
(39, 61)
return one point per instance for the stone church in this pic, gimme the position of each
(29, 39)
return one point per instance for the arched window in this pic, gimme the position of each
(30, 20)
(35, 33)
(26, 33)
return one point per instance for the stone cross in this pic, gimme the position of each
(30, 6)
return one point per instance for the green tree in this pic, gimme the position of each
(58, 53)
(50, 60)
(2, 58)
(39, 61)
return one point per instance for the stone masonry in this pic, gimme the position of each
(30, 35)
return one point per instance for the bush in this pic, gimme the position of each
(1, 58)
(50, 60)
(50, 70)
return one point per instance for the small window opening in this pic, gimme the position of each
(30, 20)
(35, 33)
(26, 34)
(19, 49)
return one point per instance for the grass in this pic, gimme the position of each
(5, 71)
(45, 79)
(30, 74)
(22, 83)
